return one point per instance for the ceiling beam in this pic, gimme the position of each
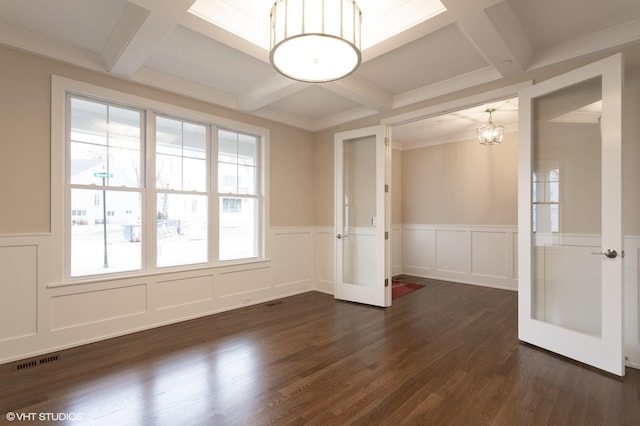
(142, 33)
(128, 25)
(497, 46)
(269, 92)
(362, 92)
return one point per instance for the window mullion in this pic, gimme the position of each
(214, 199)
(150, 207)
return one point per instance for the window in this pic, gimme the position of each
(182, 201)
(546, 200)
(238, 195)
(140, 201)
(104, 151)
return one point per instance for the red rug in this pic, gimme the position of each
(400, 289)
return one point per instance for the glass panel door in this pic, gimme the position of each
(361, 247)
(570, 215)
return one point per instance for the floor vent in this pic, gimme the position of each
(27, 364)
(36, 362)
(49, 359)
(274, 303)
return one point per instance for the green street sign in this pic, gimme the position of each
(103, 174)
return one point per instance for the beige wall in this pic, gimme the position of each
(25, 139)
(396, 187)
(631, 151)
(323, 199)
(461, 183)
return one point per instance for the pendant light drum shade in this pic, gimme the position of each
(315, 40)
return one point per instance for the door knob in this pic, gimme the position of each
(610, 253)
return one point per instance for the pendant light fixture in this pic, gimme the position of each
(490, 133)
(315, 41)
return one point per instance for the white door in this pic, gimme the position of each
(570, 215)
(362, 263)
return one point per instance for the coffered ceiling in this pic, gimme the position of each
(413, 50)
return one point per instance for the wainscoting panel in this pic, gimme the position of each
(452, 251)
(489, 252)
(292, 264)
(180, 291)
(396, 250)
(418, 249)
(18, 291)
(76, 309)
(324, 259)
(481, 255)
(244, 283)
(632, 300)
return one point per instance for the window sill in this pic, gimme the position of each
(119, 276)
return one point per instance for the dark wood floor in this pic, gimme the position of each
(445, 354)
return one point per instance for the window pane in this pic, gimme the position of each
(227, 178)
(227, 146)
(238, 228)
(88, 122)
(246, 180)
(99, 214)
(87, 159)
(168, 136)
(195, 175)
(124, 128)
(182, 229)
(168, 172)
(124, 168)
(105, 140)
(195, 141)
(181, 155)
(247, 148)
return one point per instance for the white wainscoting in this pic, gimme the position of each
(324, 259)
(36, 318)
(38, 315)
(324, 256)
(480, 255)
(632, 300)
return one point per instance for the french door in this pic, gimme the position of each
(362, 262)
(570, 215)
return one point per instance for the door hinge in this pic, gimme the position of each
(386, 187)
(386, 235)
(386, 282)
(386, 141)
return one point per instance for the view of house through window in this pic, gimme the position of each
(105, 146)
(546, 201)
(181, 181)
(115, 198)
(238, 195)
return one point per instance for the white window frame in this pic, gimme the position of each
(60, 204)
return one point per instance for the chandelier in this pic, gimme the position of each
(315, 41)
(490, 133)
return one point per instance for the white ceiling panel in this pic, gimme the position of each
(441, 55)
(314, 103)
(202, 60)
(550, 22)
(81, 23)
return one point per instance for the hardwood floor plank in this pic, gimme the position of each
(445, 355)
